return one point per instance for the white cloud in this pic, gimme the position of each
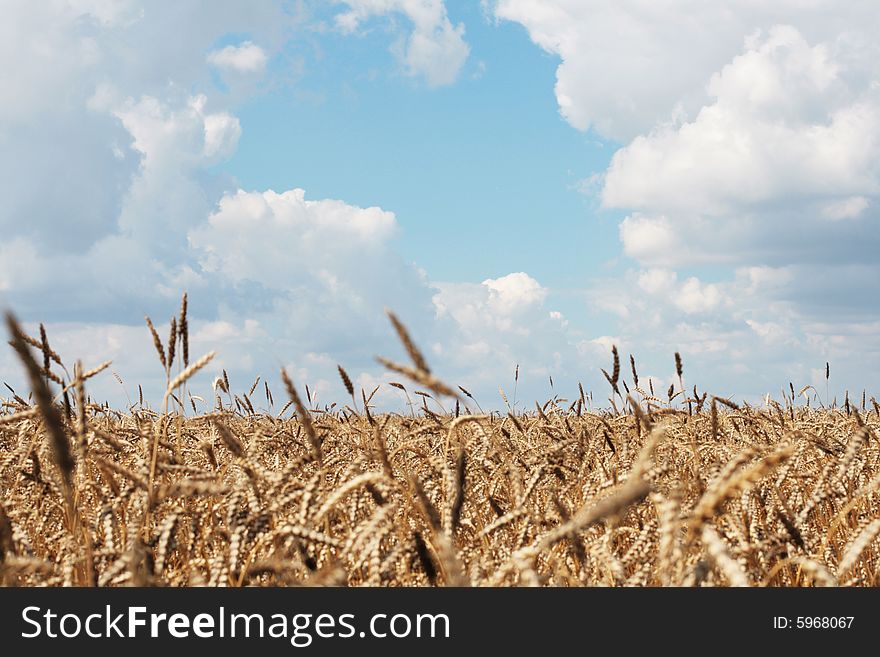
(657, 281)
(759, 153)
(107, 12)
(185, 137)
(770, 331)
(691, 296)
(265, 237)
(488, 330)
(623, 64)
(166, 196)
(694, 296)
(626, 66)
(848, 208)
(601, 346)
(559, 317)
(18, 260)
(782, 124)
(105, 123)
(435, 48)
(221, 331)
(741, 141)
(514, 293)
(750, 140)
(776, 176)
(246, 57)
(649, 239)
(103, 142)
(222, 131)
(756, 329)
(316, 274)
(509, 303)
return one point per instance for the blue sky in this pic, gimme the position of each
(524, 182)
(484, 161)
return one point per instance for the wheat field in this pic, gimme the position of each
(688, 490)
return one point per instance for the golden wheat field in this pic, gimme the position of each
(691, 490)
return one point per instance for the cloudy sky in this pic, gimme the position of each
(523, 181)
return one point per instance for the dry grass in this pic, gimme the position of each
(673, 492)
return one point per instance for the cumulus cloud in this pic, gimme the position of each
(109, 127)
(513, 293)
(781, 123)
(316, 274)
(293, 246)
(435, 49)
(506, 303)
(755, 329)
(706, 322)
(759, 146)
(263, 237)
(274, 279)
(141, 258)
(848, 208)
(246, 57)
(490, 330)
(777, 173)
(691, 296)
(649, 239)
(751, 148)
(175, 143)
(104, 147)
(625, 66)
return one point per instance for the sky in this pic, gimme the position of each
(524, 182)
